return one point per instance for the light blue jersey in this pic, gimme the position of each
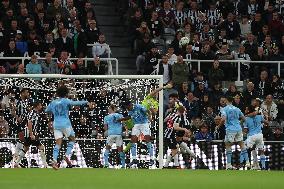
(114, 127)
(254, 124)
(139, 114)
(60, 110)
(232, 115)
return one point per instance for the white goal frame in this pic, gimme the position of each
(158, 77)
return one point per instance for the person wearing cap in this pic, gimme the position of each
(21, 44)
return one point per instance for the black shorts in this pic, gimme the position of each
(30, 142)
(171, 143)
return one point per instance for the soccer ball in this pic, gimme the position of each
(183, 41)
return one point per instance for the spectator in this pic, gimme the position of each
(250, 45)
(142, 30)
(245, 26)
(155, 26)
(263, 86)
(204, 103)
(65, 43)
(249, 93)
(143, 47)
(233, 91)
(278, 135)
(188, 31)
(200, 91)
(21, 69)
(165, 69)
(80, 41)
(101, 49)
(276, 26)
(34, 43)
(180, 15)
(225, 54)
(55, 8)
(257, 24)
(221, 39)
(167, 16)
(215, 74)
(48, 41)
(12, 65)
(4, 127)
(208, 116)
(183, 91)
(151, 60)
(171, 56)
(180, 72)
(216, 92)
(21, 44)
(33, 67)
(203, 134)
(245, 64)
(97, 67)
(269, 108)
(175, 43)
(239, 103)
(199, 78)
(134, 25)
(63, 61)
(206, 54)
(281, 46)
(49, 66)
(277, 87)
(191, 105)
(80, 67)
(92, 32)
(232, 27)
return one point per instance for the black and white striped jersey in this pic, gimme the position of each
(22, 109)
(193, 16)
(34, 117)
(180, 17)
(175, 118)
(213, 16)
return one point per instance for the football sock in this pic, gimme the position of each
(133, 150)
(106, 155)
(229, 156)
(56, 152)
(127, 148)
(69, 148)
(262, 161)
(122, 158)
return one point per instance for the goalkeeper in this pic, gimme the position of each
(151, 103)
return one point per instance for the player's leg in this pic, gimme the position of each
(145, 129)
(22, 152)
(134, 138)
(262, 159)
(41, 150)
(58, 135)
(119, 144)
(174, 153)
(110, 141)
(70, 134)
(20, 143)
(260, 146)
(244, 152)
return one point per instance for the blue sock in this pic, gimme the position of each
(56, 152)
(245, 154)
(133, 150)
(229, 156)
(242, 157)
(69, 148)
(106, 155)
(262, 161)
(150, 149)
(122, 158)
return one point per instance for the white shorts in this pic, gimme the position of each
(67, 132)
(117, 139)
(256, 140)
(231, 136)
(141, 128)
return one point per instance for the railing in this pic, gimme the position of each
(189, 61)
(108, 60)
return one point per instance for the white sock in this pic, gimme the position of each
(19, 148)
(184, 146)
(20, 157)
(176, 160)
(168, 161)
(254, 156)
(43, 157)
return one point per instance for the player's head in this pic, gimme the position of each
(24, 93)
(173, 98)
(230, 100)
(112, 108)
(37, 106)
(128, 105)
(62, 91)
(250, 109)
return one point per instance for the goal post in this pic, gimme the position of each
(159, 83)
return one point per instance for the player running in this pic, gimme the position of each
(32, 137)
(230, 117)
(114, 132)
(62, 124)
(253, 126)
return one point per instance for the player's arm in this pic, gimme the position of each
(245, 126)
(123, 119)
(81, 102)
(178, 128)
(30, 129)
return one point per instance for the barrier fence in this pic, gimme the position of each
(198, 64)
(88, 153)
(108, 60)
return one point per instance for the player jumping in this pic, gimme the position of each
(32, 137)
(114, 132)
(230, 116)
(62, 124)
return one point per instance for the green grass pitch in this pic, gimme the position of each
(138, 179)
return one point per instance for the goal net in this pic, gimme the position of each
(87, 123)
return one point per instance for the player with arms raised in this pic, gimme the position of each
(114, 132)
(62, 124)
(230, 117)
